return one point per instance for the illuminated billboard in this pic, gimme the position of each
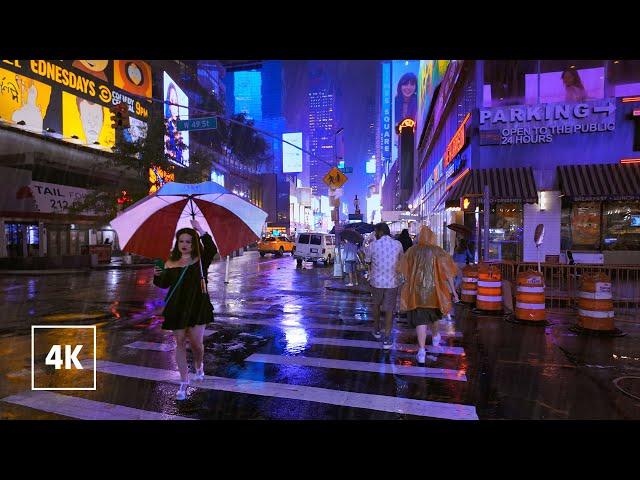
(71, 99)
(292, 156)
(176, 107)
(404, 74)
(429, 77)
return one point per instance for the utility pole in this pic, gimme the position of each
(337, 262)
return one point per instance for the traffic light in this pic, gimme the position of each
(468, 204)
(120, 116)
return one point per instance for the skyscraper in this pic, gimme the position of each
(321, 125)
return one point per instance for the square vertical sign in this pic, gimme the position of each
(63, 357)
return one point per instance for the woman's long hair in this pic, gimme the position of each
(575, 76)
(175, 253)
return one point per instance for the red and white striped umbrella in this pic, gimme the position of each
(148, 227)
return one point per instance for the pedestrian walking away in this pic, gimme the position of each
(429, 272)
(188, 309)
(384, 256)
(405, 239)
(350, 256)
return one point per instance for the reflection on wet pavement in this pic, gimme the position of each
(283, 346)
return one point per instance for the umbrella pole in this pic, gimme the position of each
(203, 285)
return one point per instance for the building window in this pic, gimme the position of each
(621, 225)
(623, 78)
(505, 231)
(509, 82)
(583, 229)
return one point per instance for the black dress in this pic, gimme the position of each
(188, 306)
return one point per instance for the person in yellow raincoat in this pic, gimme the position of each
(429, 274)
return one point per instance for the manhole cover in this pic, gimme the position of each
(630, 386)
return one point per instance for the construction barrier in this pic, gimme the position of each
(469, 288)
(595, 304)
(530, 304)
(489, 296)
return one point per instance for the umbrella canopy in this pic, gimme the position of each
(461, 229)
(351, 236)
(360, 227)
(148, 227)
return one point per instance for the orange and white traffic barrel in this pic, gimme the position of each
(489, 296)
(530, 297)
(595, 304)
(469, 287)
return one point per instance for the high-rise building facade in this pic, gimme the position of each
(321, 125)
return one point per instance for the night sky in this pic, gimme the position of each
(355, 82)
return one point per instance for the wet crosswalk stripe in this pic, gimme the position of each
(424, 408)
(83, 409)
(284, 322)
(343, 342)
(412, 371)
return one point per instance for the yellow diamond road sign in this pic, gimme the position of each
(335, 178)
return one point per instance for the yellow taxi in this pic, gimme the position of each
(276, 245)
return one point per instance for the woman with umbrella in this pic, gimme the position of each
(188, 309)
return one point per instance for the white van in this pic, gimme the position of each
(315, 247)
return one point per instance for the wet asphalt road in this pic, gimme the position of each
(285, 347)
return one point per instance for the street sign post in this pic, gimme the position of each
(335, 178)
(208, 123)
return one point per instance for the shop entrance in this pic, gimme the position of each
(23, 239)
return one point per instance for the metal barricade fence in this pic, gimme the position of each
(562, 283)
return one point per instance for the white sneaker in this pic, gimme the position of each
(182, 391)
(199, 376)
(435, 341)
(421, 355)
(349, 285)
(377, 334)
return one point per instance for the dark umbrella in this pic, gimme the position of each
(351, 236)
(461, 229)
(360, 227)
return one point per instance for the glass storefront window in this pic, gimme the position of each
(505, 231)
(621, 225)
(623, 78)
(585, 225)
(569, 81)
(509, 82)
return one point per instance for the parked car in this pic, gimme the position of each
(315, 247)
(276, 245)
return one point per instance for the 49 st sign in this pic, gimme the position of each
(541, 123)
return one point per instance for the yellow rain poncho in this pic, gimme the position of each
(426, 267)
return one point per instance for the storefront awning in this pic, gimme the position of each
(610, 181)
(505, 185)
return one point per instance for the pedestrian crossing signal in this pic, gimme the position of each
(467, 204)
(119, 116)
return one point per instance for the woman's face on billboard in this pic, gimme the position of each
(408, 88)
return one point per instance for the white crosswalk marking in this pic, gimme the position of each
(424, 408)
(343, 342)
(83, 409)
(425, 372)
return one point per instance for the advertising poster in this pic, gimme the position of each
(41, 95)
(89, 121)
(404, 91)
(176, 107)
(429, 77)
